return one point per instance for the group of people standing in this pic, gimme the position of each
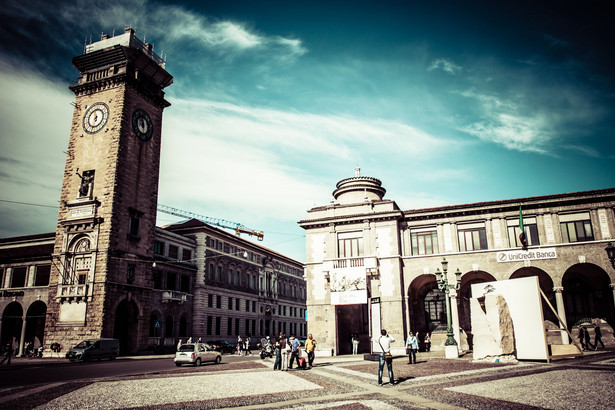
(243, 345)
(292, 346)
(585, 339)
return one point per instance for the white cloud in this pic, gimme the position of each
(35, 115)
(270, 163)
(444, 65)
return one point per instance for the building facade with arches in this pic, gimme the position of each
(397, 254)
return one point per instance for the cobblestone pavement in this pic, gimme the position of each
(345, 382)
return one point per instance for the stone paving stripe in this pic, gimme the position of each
(557, 389)
(169, 390)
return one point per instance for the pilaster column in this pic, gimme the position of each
(561, 311)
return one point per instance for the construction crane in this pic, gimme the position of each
(222, 223)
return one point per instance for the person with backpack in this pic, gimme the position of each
(294, 353)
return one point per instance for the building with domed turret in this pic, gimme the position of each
(372, 265)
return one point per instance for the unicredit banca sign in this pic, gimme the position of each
(532, 254)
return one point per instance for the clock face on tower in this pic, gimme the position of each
(142, 125)
(95, 118)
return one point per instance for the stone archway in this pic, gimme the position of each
(418, 312)
(126, 326)
(546, 285)
(587, 294)
(463, 299)
(12, 319)
(35, 324)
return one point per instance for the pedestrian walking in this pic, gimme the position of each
(8, 351)
(280, 348)
(294, 352)
(597, 337)
(427, 342)
(239, 345)
(587, 338)
(384, 342)
(310, 346)
(247, 350)
(355, 343)
(412, 345)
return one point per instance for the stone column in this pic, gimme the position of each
(455, 318)
(23, 335)
(561, 311)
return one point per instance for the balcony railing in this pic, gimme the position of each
(367, 262)
(174, 296)
(72, 291)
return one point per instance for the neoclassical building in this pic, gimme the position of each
(108, 270)
(370, 264)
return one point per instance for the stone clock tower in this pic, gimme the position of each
(101, 278)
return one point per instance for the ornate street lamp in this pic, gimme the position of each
(610, 252)
(443, 285)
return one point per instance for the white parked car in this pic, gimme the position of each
(195, 354)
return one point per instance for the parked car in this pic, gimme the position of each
(95, 349)
(222, 346)
(195, 354)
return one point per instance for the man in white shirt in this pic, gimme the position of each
(384, 343)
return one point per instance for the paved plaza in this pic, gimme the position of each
(345, 382)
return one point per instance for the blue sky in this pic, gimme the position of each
(273, 102)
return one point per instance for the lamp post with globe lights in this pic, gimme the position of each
(450, 346)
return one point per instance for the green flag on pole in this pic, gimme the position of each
(522, 237)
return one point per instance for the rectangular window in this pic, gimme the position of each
(230, 276)
(576, 227)
(185, 284)
(531, 232)
(171, 281)
(209, 323)
(230, 303)
(237, 301)
(349, 244)
(254, 306)
(158, 248)
(210, 300)
(219, 273)
(247, 305)
(134, 223)
(472, 237)
(42, 275)
(18, 278)
(157, 279)
(424, 243)
(219, 302)
(186, 254)
(173, 251)
(212, 269)
(218, 326)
